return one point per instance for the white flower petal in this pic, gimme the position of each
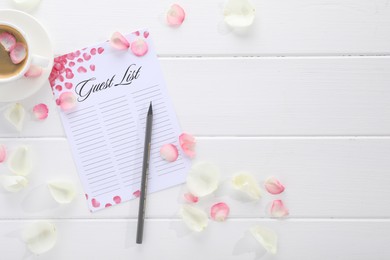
(195, 219)
(239, 13)
(13, 183)
(20, 161)
(15, 115)
(62, 191)
(40, 237)
(266, 237)
(247, 183)
(203, 179)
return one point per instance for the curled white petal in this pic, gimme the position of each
(195, 219)
(266, 237)
(40, 237)
(62, 191)
(239, 13)
(15, 115)
(203, 179)
(26, 4)
(247, 183)
(20, 161)
(13, 183)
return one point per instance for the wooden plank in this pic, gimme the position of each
(330, 178)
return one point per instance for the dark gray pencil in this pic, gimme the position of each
(145, 172)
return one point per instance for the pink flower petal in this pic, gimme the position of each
(273, 185)
(169, 152)
(119, 42)
(3, 153)
(191, 198)
(8, 41)
(139, 47)
(278, 210)
(40, 111)
(117, 199)
(18, 53)
(219, 211)
(67, 101)
(187, 143)
(33, 72)
(137, 193)
(95, 203)
(175, 15)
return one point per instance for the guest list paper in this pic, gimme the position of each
(103, 94)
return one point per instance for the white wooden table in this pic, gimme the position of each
(304, 95)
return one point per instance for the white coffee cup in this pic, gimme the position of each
(30, 59)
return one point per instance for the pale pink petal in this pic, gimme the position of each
(67, 101)
(219, 211)
(41, 111)
(169, 152)
(18, 53)
(119, 42)
(175, 15)
(3, 153)
(191, 198)
(278, 209)
(137, 193)
(139, 47)
(187, 143)
(33, 72)
(8, 41)
(273, 185)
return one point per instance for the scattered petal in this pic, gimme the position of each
(278, 210)
(62, 191)
(139, 47)
(266, 237)
(191, 198)
(203, 179)
(247, 183)
(175, 15)
(40, 237)
(169, 152)
(15, 115)
(8, 41)
(187, 144)
(18, 53)
(41, 111)
(119, 42)
(20, 161)
(239, 13)
(117, 199)
(33, 72)
(219, 211)
(273, 185)
(194, 218)
(3, 153)
(67, 101)
(13, 183)
(137, 193)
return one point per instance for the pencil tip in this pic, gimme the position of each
(150, 111)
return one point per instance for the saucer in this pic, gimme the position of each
(40, 45)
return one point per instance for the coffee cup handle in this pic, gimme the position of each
(40, 61)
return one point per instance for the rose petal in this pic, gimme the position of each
(40, 237)
(169, 152)
(41, 111)
(67, 101)
(62, 191)
(278, 210)
(15, 115)
(13, 183)
(26, 4)
(119, 42)
(219, 211)
(266, 237)
(247, 183)
(20, 161)
(273, 185)
(175, 15)
(139, 47)
(195, 219)
(239, 13)
(33, 72)
(191, 198)
(187, 144)
(18, 53)
(203, 179)
(3, 153)
(8, 41)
